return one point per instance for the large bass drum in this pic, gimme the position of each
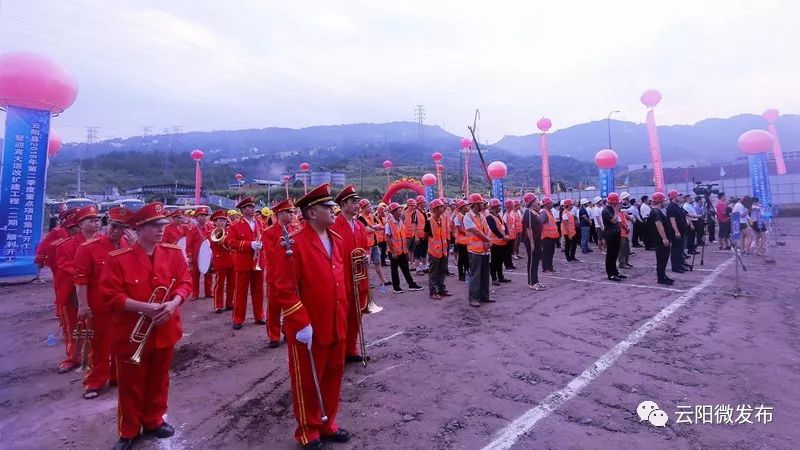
(182, 244)
(204, 257)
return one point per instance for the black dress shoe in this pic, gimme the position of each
(274, 344)
(229, 308)
(488, 300)
(124, 444)
(679, 271)
(614, 278)
(356, 358)
(341, 436)
(237, 326)
(665, 281)
(495, 283)
(261, 322)
(622, 276)
(669, 279)
(505, 280)
(162, 432)
(316, 444)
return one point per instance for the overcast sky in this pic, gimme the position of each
(211, 64)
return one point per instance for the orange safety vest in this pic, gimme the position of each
(511, 220)
(474, 243)
(549, 229)
(500, 226)
(518, 223)
(461, 234)
(368, 229)
(437, 244)
(623, 225)
(568, 226)
(397, 241)
(420, 224)
(409, 227)
(380, 235)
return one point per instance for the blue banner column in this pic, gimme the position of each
(606, 182)
(760, 182)
(498, 191)
(22, 188)
(428, 193)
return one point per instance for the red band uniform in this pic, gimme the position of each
(239, 237)
(131, 273)
(222, 266)
(195, 237)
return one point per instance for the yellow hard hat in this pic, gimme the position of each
(190, 212)
(233, 212)
(266, 211)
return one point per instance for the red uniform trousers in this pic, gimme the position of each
(329, 360)
(224, 288)
(352, 329)
(68, 318)
(208, 281)
(254, 279)
(273, 315)
(142, 391)
(101, 370)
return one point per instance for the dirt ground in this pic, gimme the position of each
(445, 375)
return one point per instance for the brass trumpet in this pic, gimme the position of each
(218, 235)
(140, 334)
(83, 334)
(359, 259)
(257, 253)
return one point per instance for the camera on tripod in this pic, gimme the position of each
(706, 189)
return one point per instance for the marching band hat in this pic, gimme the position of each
(347, 193)
(119, 215)
(85, 212)
(221, 214)
(285, 205)
(149, 213)
(321, 195)
(247, 201)
(202, 211)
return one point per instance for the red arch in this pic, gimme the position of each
(399, 185)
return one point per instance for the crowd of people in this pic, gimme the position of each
(302, 266)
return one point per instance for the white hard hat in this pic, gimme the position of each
(597, 200)
(624, 195)
(584, 201)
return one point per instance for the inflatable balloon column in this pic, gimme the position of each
(437, 158)
(439, 176)
(240, 178)
(606, 161)
(650, 98)
(286, 179)
(497, 171)
(771, 115)
(304, 167)
(466, 149)
(197, 156)
(544, 125)
(428, 180)
(386, 166)
(756, 144)
(53, 143)
(32, 88)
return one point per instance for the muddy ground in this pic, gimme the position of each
(445, 375)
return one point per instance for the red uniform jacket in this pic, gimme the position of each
(195, 237)
(43, 250)
(222, 256)
(352, 238)
(310, 287)
(131, 273)
(238, 237)
(64, 277)
(90, 259)
(173, 232)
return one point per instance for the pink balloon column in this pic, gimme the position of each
(437, 158)
(466, 149)
(756, 144)
(197, 156)
(606, 161)
(304, 167)
(771, 115)
(497, 171)
(54, 143)
(544, 125)
(387, 165)
(428, 180)
(650, 99)
(239, 177)
(32, 88)
(286, 179)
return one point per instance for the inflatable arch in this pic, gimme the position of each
(401, 184)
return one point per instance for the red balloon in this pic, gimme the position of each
(650, 98)
(544, 124)
(238, 177)
(606, 159)
(466, 143)
(304, 167)
(285, 178)
(436, 157)
(197, 154)
(497, 170)
(429, 179)
(440, 168)
(32, 81)
(755, 141)
(771, 115)
(387, 164)
(53, 143)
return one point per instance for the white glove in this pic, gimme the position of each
(305, 335)
(256, 245)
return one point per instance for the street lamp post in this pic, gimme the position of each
(609, 128)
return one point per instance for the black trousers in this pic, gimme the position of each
(700, 232)
(637, 234)
(382, 246)
(548, 250)
(593, 233)
(676, 254)
(498, 255)
(711, 231)
(647, 237)
(534, 256)
(558, 227)
(400, 262)
(613, 241)
(570, 245)
(662, 256)
(690, 237)
(436, 274)
(462, 260)
(508, 261)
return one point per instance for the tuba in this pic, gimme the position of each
(218, 235)
(83, 334)
(144, 326)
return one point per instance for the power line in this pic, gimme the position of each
(419, 114)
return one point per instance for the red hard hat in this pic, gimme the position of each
(460, 203)
(494, 202)
(411, 202)
(435, 203)
(509, 203)
(528, 197)
(613, 197)
(568, 202)
(420, 199)
(673, 193)
(547, 200)
(658, 197)
(363, 202)
(475, 198)
(392, 206)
